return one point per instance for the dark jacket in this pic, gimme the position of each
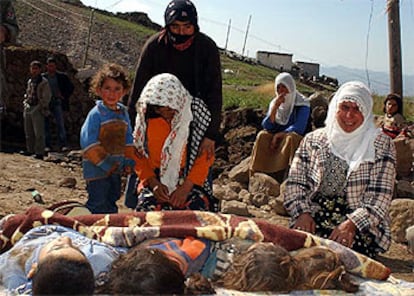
(8, 19)
(65, 86)
(197, 67)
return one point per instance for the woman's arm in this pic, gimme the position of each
(372, 208)
(299, 121)
(298, 189)
(197, 176)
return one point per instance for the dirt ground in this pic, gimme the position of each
(20, 175)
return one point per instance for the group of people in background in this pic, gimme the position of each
(340, 178)
(47, 95)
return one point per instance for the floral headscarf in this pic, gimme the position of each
(357, 146)
(166, 90)
(292, 99)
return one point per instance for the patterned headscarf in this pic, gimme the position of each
(292, 99)
(357, 146)
(166, 90)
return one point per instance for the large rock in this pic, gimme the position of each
(405, 189)
(405, 156)
(402, 217)
(240, 173)
(262, 183)
(259, 199)
(234, 207)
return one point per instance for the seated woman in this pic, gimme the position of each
(170, 126)
(393, 122)
(284, 125)
(59, 260)
(341, 181)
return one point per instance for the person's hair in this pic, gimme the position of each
(36, 63)
(144, 271)
(51, 60)
(58, 275)
(113, 71)
(266, 267)
(397, 99)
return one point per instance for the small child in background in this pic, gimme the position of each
(106, 140)
(394, 121)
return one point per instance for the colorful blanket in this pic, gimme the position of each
(129, 229)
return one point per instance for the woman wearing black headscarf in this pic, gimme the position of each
(181, 49)
(193, 57)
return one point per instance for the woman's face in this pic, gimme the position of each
(165, 112)
(349, 117)
(281, 89)
(391, 107)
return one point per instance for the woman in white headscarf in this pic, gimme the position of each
(341, 181)
(284, 126)
(169, 127)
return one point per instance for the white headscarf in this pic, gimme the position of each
(292, 99)
(166, 90)
(357, 146)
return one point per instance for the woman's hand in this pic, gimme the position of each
(159, 190)
(180, 194)
(305, 222)
(277, 139)
(276, 105)
(208, 146)
(344, 233)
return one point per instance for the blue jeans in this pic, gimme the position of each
(57, 112)
(131, 195)
(103, 194)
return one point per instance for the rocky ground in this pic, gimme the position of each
(53, 179)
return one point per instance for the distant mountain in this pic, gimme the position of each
(379, 82)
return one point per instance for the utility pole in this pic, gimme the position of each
(247, 31)
(228, 34)
(394, 45)
(3, 83)
(85, 57)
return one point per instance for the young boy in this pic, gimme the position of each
(56, 260)
(36, 108)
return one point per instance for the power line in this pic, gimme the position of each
(50, 14)
(113, 5)
(367, 42)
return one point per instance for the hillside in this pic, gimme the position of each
(63, 27)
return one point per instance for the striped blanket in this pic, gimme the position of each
(129, 229)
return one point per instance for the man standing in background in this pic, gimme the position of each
(62, 89)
